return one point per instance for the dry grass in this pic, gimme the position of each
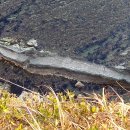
(60, 112)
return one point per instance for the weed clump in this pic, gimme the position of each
(62, 112)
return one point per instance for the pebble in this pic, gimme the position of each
(32, 42)
(79, 85)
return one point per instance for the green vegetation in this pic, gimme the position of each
(60, 112)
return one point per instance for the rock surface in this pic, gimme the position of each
(79, 85)
(92, 30)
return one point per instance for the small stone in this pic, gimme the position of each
(121, 66)
(32, 97)
(125, 52)
(7, 41)
(5, 86)
(32, 42)
(79, 85)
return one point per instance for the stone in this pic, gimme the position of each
(32, 42)
(7, 41)
(79, 85)
(30, 96)
(5, 86)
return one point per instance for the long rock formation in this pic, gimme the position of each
(64, 66)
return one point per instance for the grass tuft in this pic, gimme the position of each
(62, 112)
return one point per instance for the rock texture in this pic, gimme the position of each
(93, 30)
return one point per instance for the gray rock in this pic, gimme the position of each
(5, 86)
(79, 85)
(32, 97)
(32, 42)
